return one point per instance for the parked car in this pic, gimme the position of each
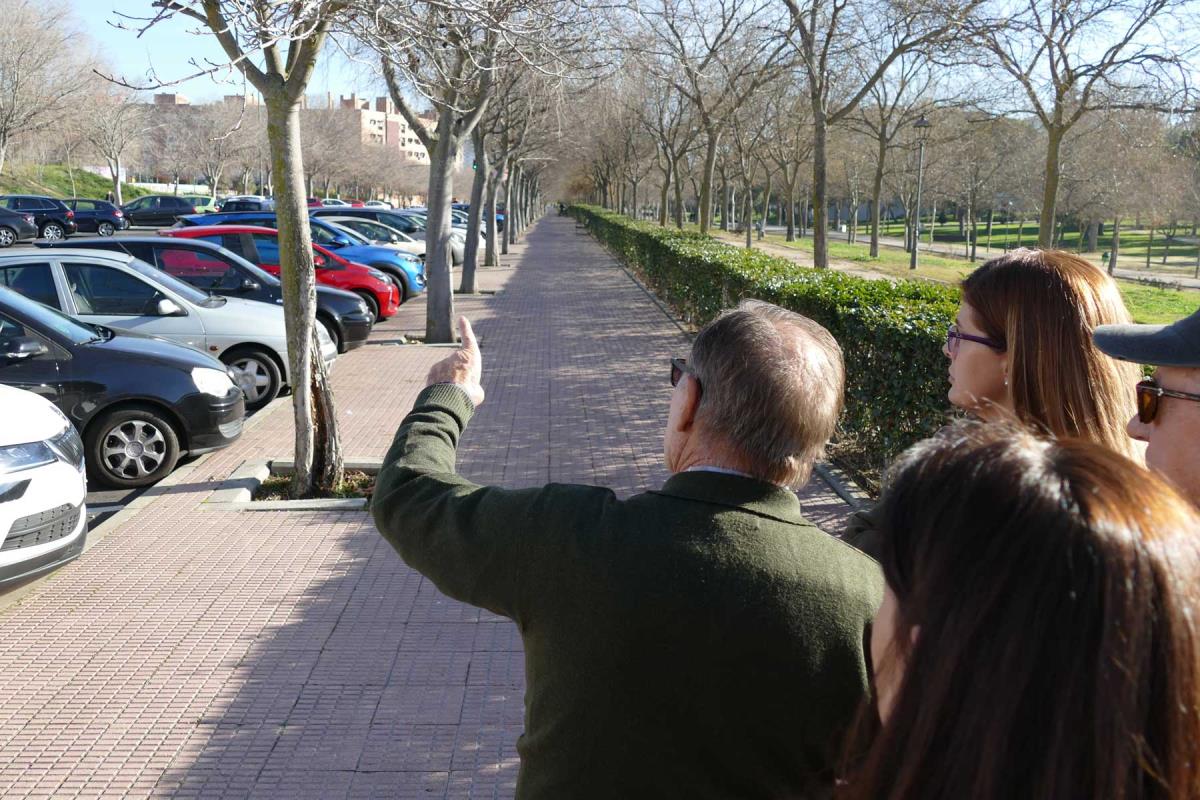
(403, 269)
(204, 204)
(97, 216)
(16, 226)
(156, 209)
(377, 204)
(119, 291)
(215, 269)
(52, 217)
(314, 202)
(138, 402)
(378, 233)
(401, 219)
(43, 518)
(248, 204)
(260, 246)
(333, 201)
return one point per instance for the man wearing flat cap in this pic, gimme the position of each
(702, 640)
(1168, 417)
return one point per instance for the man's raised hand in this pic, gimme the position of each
(463, 367)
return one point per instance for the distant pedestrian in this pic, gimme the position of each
(1037, 637)
(1168, 403)
(699, 640)
(110, 197)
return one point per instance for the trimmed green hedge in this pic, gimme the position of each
(891, 333)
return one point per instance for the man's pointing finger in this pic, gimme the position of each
(469, 342)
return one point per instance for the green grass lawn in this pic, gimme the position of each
(1147, 304)
(55, 181)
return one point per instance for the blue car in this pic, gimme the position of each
(404, 269)
(97, 216)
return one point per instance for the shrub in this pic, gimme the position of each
(891, 333)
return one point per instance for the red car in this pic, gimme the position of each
(261, 246)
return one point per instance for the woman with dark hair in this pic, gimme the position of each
(1021, 348)
(1038, 636)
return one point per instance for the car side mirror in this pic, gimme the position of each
(338, 241)
(169, 308)
(23, 347)
(250, 285)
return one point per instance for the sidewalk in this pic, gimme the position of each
(200, 653)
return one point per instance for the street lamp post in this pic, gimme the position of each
(922, 125)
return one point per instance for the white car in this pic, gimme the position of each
(377, 204)
(43, 518)
(380, 234)
(333, 201)
(119, 291)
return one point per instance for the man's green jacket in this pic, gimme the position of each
(699, 641)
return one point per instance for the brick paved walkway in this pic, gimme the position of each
(197, 653)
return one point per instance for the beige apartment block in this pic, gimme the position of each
(381, 123)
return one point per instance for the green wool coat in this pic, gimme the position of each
(699, 641)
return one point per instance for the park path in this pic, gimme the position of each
(194, 652)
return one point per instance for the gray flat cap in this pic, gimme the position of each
(1174, 345)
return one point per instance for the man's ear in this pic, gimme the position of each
(689, 403)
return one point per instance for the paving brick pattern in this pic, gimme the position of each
(195, 653)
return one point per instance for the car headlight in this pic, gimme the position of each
(362, 307)
(379, 276)
(212, 382)
(17, 457)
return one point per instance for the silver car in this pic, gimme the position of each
(119, 291)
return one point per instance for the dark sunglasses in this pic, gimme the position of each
(1148, 394)
(678, 367)
(954, 336)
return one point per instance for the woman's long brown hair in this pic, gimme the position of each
(1048, 595)
(1044, 305)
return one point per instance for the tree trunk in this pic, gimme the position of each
(678, 198)
(318, 456)
(820, 207)
(791, 211)
(439, 307)
(1054, 136)
(475, 214)
(705, 199)
(1149, 245)
(508, 197)
(766, 206)
(1093, 235)
(877, 193)
(1116, 245)
(114, 167)
(664, 194)
(491, 256)
(748, 214)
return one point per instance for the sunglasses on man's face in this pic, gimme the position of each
(1148, 395)
(678, 367)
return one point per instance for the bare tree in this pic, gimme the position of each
(831, 39)
(1069, 58)
(288, 38)
(39, 68)
(716, 54)
(117, 125)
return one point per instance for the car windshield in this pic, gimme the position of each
(184, 290)
(71, 329)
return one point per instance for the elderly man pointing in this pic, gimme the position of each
(701, 640)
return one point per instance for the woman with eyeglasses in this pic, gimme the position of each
(1021, 347)
(1037, 637)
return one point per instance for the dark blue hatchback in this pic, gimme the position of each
(97, 216)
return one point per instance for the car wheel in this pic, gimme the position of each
(131, 447)
(7, 237)
(397, 281)
(105, 229)
(256, 374)
(372, 305)
(332, 330)
(53, 231)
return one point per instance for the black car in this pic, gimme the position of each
(248, 204)
(52, 217)
(390, 217)
(97, 216)
(138, 402)
(156, 209)
(219, 271)
(16, 226)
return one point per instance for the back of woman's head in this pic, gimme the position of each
(1044, 304)
(1046, 600)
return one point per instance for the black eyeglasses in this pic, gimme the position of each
(678, 367)
(954, 336)
(1148, 394)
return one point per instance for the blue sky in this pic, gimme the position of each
(168, 46)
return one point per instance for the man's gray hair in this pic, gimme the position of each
(771, 384)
